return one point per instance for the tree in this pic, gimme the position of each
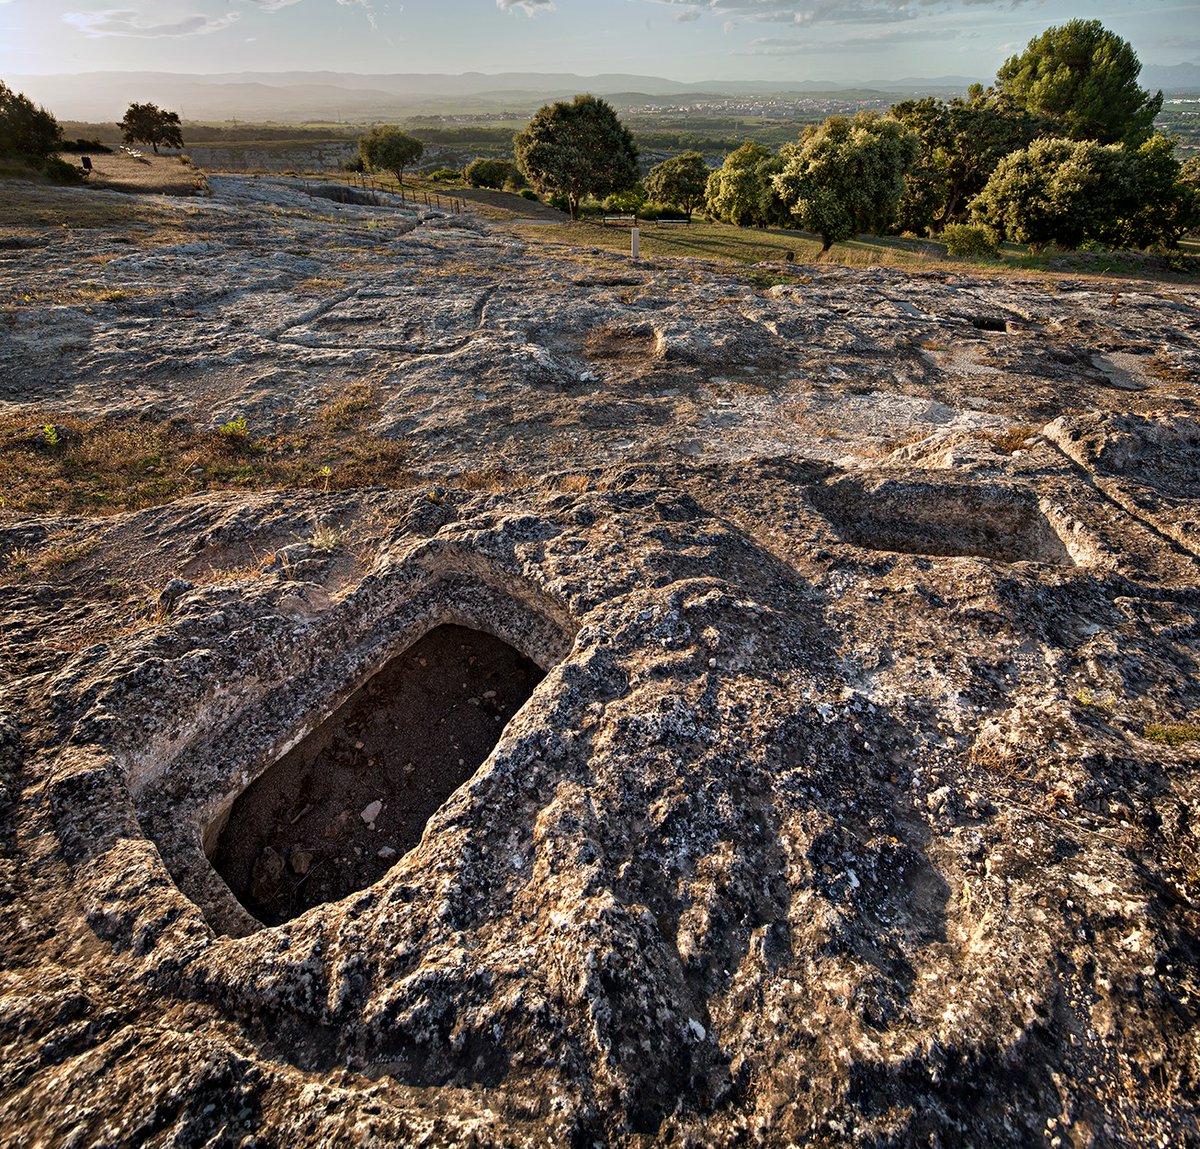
(741, 190)
(577, 149)
(1068, 192)
(847, 176)
(961, 143)
(1162, 203)
(1083, 78)
(679, 182)
(388, 149)
(29, 132)
(149, 124)
(486, 173)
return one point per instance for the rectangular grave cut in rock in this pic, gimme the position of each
(942, 520)
(334, 814)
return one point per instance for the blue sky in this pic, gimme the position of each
(680, 39)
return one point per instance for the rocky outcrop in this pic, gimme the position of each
(853, 800)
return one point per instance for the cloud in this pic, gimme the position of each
(122, 22)
(273, 5)
(827, 11)
(529, 7)
(884, 40)
(366, 7)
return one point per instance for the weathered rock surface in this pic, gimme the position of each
(834, 819)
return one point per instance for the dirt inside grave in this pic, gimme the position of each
(338, 810)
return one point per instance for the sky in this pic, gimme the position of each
(689, 40)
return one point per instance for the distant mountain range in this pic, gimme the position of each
(295, 97)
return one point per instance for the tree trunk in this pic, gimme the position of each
(826, 244)
(573, 204)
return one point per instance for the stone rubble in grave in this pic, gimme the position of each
(834, 818)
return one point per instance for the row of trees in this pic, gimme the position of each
(32, 134)
(1061, 149)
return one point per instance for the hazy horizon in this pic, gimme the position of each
(688, 41)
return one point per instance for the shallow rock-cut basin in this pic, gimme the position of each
(983, 520)
(334, 814)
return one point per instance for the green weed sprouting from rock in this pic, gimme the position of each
(236, 428)
(1172, 734)
(50, 434)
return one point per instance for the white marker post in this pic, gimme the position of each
(635, 242)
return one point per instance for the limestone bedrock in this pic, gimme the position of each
(857, 804)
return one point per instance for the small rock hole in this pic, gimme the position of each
(334, 813)
(988, 322)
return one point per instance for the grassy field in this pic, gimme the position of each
(704, 239)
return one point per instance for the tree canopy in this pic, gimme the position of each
(1084, 78)
(386, 148)
(26, 131)
(149, 124)
(1069, 192)
(741, 191)
(491, 173)
(846, 176)
(961, 142)
(577, 149)
(679, 182)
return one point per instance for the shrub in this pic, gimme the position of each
(970, 239)
(445, 175)
(61, 172)
(353, 164)
(529, 193)
(26, 131)
(485, 173)
(630, 201)
(82, 146)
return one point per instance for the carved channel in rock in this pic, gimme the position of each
(334, 813)
(942, 520)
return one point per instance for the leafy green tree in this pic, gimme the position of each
(961, 143)
(488, 173)
(629, 201)
(1190, 172)
(386, 148)
(679, 182)
(149, 124)
(1162, 203)
(847, 176)
(1084, 78)
(577, 149)
(741, 191)
(27, 131)
(1067, 192)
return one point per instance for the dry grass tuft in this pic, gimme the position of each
(1011, 438)
(98, 466)
(26, 564)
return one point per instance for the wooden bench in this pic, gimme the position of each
(619, 219)
(672, 222)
